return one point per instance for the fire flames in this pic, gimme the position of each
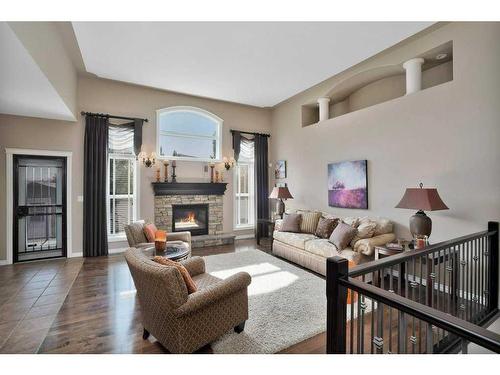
(189, 218)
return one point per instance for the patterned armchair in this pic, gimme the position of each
(184, 322)
(137, 238)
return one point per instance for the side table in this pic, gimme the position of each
(270, 224)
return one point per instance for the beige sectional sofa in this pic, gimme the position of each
(311, 252)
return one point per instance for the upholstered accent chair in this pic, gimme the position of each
(182, 322)
(136, 237)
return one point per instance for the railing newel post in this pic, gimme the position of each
(336, 296)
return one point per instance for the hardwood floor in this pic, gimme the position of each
(86, 306)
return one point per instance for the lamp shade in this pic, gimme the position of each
(422, 199)
(280, 193)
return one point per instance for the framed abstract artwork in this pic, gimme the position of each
(280, 169)
(348, 184)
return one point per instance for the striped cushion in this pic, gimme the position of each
(309, 221)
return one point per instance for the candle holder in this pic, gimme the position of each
(212, 176)
(158, 171)
(165, 178)
(174, 179)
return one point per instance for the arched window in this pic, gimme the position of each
(188, 133)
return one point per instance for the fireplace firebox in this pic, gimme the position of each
(190, 217)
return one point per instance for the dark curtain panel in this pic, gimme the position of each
(236, 144)
(95, 236)
(262, 181)
(138, 135)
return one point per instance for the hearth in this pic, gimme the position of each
(190, 217)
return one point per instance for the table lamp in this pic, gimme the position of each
(421, 199)
(280, 193)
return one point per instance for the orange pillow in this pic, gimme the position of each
(149, 232)
(191, 286)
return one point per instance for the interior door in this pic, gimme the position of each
(39, 207)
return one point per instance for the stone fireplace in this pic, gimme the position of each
(194, 207)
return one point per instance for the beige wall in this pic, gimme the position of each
(45, 44)
(445, 136)
(98, 95)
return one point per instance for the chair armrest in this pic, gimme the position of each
(180, 236)
(366, 246)
(278, 224)
(194, 265)
(214, 293)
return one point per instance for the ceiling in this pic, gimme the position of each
(252, 63)
(24, 88)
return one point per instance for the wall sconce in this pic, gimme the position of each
(228, 163)
(148, 161)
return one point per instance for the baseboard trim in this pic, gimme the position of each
(76, 255)
(117, 251)
(244, 236)
(4, 262)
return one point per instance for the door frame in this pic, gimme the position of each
(15, 200)
(9, 188)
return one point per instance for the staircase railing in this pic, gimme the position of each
(432, 300)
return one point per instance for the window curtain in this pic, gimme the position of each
(95, 234)
(262, 181)
(236, 144)
(138, 135)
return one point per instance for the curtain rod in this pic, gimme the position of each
(243, 132)
(110, 116)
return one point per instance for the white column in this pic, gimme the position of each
(413, 69)
(324, 108)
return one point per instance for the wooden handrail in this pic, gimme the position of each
(372, 266)
(461, 328)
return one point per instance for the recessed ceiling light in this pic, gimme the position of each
(441, 56)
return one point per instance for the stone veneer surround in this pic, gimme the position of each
(163, 210)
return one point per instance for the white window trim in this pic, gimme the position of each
(198, 111)
(118, 237)
(9, 197)
(250, 194)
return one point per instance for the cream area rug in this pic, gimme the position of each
(286, 304)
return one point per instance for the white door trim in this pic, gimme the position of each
(9, 174)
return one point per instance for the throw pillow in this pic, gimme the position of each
(291, 223)
(150, 231)
(325, 227)
(342, 235)
(365, 230)
(384, 226)
(352, 221)
(309, 221)
(191, 286)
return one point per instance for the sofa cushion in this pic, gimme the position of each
(325, 227)
(384, 226)
(294, 239)
(309, 221)
(291, 223)
(326, 249)
(342, 235)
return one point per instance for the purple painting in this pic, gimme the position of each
(347, 184)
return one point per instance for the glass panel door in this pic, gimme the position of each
(39, 207)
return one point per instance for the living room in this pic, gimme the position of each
(245, 196)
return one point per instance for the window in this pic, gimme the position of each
(244, 189)
(121, 200)
(188, 133)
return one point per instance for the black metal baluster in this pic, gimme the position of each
(363, 308)
(372, 328)
(400, 314)
(390, 309)
(351, 333)
(476, 280)
(481, 274)
(487, 273)
(469, 281)
(421, 283)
